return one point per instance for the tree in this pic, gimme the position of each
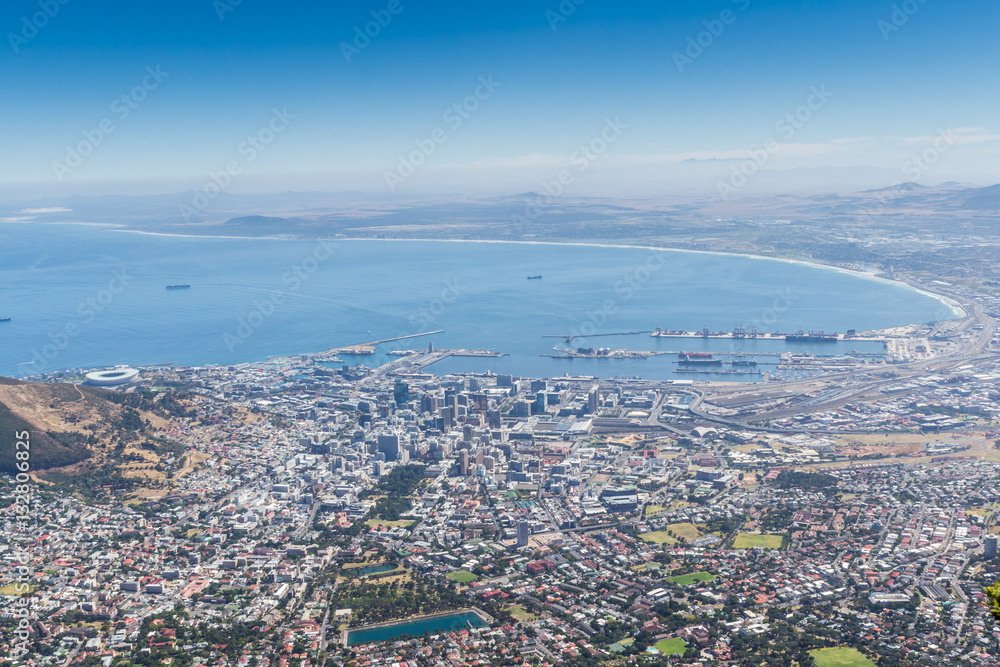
(993, 595)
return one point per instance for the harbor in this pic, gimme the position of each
(738, 362)
(740, 333)
(742, 363)
(365, 349)
(422, 360)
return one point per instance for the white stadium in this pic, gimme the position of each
(113, 377)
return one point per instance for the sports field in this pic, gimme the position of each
(840, 657)
(688, 531)
(693, 578)
(751, 540)
(671, 646)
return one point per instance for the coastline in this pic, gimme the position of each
(956, 308)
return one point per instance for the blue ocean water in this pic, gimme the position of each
(88, 296)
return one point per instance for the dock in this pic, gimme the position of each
(737, 334)
(421, 360)
(363, 349)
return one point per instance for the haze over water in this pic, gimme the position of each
(85, 296)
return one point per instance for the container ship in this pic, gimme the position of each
(178, 287)
(698, 359)
(666, 333)
(811, 337)
(357, 351)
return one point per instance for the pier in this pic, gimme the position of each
(737, 334)
(362, 349)
(418, 361)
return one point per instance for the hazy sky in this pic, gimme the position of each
(872, 83)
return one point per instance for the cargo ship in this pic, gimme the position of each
(694, 355)
(666, 333)
(744, 363)
(4, 319)
(357, 351)
(811, 337)
(538, 277)
(178, 287)
(691, 360)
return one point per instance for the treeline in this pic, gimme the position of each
(397, 488)
(163, 403)
(376, 603)
(793, 479)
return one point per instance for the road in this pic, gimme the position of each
(836, 389)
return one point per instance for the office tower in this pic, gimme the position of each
(388, 444)
(990, 547)
(523, 533)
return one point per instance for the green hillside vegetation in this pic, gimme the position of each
(88, 438)
(48, 449)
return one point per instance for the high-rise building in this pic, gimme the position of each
(388, 444)
(463, 460)
(990, 547)
(523, 533)
(447, 416)
(429, 403)
(401, 392)
(593, 399)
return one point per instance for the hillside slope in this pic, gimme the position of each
(89, 437)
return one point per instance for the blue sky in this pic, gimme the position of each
(896, 74)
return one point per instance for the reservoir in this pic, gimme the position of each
(416, 627)
(371, 569)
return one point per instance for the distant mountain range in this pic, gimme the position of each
(517, 215)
